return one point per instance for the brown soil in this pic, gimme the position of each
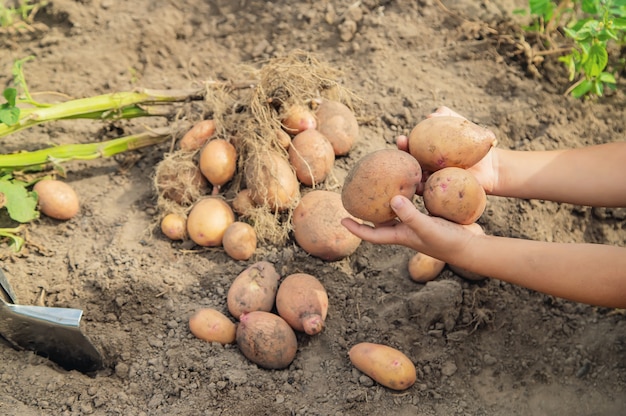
(485, 348)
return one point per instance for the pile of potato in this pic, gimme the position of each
(265, 337)
(443, 146)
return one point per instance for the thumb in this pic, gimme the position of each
(406, 211)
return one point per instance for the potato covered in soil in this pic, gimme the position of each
(454, 194)
(242, 203)
(254, 289)
(298, 118)
(56, 199)
(384, 364)
(239, 240)
(338, 124)
(302, 301)
(266, 339)
(424, 268)
(447, 141)
(212, 326)
(312, 156)
(272, 181)
(317, 226)
(208, 220)
(179, 179)
(375, 179)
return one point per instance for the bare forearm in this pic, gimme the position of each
(588, 273)
(594, 175)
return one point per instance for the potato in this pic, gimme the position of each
(337, 122)
(56, 199)
(174, 226)
(272, 181)
(466, 274)
(317, 226)
(302, 302)
(266, 339)
(242, 203)
(447, 141)
(298, 118)
(218, 162)
(454, 194)
(312, 156)
(424, 268)
(239, 240)
(197, 135)
(212, 326)
(383, 364)
(254, 289)
(375, 179)
(208, 220)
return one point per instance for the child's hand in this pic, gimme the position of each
(485, 170)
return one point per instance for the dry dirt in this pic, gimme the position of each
(485, 348)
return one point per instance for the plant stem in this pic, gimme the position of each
(86, 151)
(96, 106)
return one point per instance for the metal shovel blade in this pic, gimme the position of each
(51, 332)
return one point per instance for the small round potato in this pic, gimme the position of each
(424, 268)
(212, 326)
(454, 194)
(338, 123)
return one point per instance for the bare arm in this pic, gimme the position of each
(588, 273)
(594, 175)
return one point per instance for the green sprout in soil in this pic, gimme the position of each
(18, 204)
(593, 28)
(18, 16)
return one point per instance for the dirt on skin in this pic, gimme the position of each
(480, 348)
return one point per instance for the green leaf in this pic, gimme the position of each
(9, 115)
(590, 6)
(607, 78)
(596, 61)
(543, 8)
(10, 94)
(582, 88)
(19, 202)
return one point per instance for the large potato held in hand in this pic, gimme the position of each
(454, 194)
(337, 122)
(266, 340)
(302, 302)
(212, 326)
(383, 364)
(447, 141)
(317, 226)
(254, 289)
(375, 179)
(56, 199)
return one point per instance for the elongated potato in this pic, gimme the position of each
(302, 301)
(266, 340)
(384, 364)
(312, 157)
(375, 179)
(424, 268)
(448, 141)
(254, 289)
(272, 181)
(212, 326)
(338, 123)
(454, 194)
(317, 226)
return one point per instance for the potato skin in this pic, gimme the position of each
(424, 268)
(447, 141)
(212, 326)
(317, 226)
(239, 240)
(254, 289)
(384, 364)
(375, 179)
(454, 194)
(207, 221)
(302, 301)
(337, 122)
(312, 156)
(272, 181)
(56, 199)
(266, 339)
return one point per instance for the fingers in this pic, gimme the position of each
(402, 142)
(379, 235)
